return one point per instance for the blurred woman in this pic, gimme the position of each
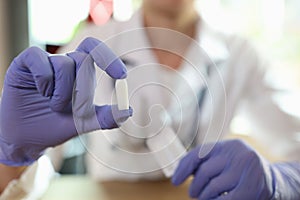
(213, 74)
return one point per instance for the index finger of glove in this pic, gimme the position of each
(104, 57)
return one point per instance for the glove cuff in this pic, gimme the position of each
(275, 194)
(286, 178)
(14, 155)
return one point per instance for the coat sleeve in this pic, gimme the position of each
(269, 123)
(33, 183)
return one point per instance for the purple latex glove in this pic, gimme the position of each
(232, 171)
(36, 108)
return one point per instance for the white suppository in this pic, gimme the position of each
(122, 94)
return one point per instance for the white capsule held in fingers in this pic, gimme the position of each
(122, 94)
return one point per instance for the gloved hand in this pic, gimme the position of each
(233, 171)
(36, 108)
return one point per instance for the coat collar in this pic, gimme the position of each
(211, 41)
(207, 38)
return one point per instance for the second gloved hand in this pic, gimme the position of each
(36, 107)
(228, 170)
(231, 170)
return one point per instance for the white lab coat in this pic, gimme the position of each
(236, 82)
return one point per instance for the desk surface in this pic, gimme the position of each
(81, 187)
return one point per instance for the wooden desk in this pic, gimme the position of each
(81, 188)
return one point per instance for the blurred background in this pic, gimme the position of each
(274, 25)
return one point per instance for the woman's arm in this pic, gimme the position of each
(8, 173)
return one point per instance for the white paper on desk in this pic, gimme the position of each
(167, 150)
